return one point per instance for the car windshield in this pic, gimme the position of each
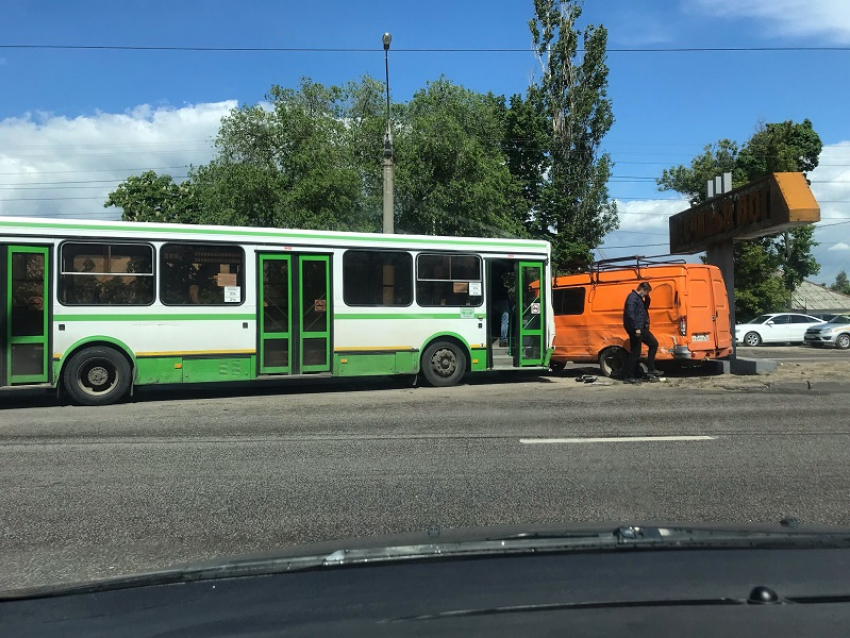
(282, 273)
(840, 319)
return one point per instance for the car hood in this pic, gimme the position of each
(466, 543)
(742, 326)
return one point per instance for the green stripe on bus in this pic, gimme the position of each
(405, 316)
(155, 317)
(274, 233)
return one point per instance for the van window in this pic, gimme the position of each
(568, 301)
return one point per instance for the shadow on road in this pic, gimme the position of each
(671, 370)
(15, 398)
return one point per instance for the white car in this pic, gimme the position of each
(779, 327)
(835, 332)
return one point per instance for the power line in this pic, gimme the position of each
(94, 170)
(110, 47)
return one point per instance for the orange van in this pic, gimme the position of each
(688, 312)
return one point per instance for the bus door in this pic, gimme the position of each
(294, 308)
(531, 314)
(24, 320)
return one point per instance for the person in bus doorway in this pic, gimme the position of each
(636, 323)
(502, 308)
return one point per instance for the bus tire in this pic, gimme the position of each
(443, 364)
(613, 362)
(97, 376)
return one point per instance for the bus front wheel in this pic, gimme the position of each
(443, 364)
(97, 376)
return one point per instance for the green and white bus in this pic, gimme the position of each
(97, 308)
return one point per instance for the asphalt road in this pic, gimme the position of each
(177, 476)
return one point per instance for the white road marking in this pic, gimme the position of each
(620, 439)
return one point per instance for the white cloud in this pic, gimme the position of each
(831, 187)
(65, 167)
(649, 215)
(643, 228)
(796, 18)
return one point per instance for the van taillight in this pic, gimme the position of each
(683, 326)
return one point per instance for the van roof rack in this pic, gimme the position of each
(635, 261)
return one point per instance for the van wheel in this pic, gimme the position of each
(843, 342)
(613, 361)
(557, 366)
(443, 364)
(97, 376)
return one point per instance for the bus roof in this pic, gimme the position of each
(59, 227)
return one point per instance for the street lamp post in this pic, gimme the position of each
(389, 221)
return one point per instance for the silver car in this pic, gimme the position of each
(835, 332)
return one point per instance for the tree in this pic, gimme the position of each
(768, 269)
(451, 175)
(526, 146)
(311, 158)
(841, 284)
(303, 158)
(154, 198)
(715, 159)
(573, 209)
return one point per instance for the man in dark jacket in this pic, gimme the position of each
(636, 323)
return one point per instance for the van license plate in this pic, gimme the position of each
(699, 337)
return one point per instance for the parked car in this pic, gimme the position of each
(778, 327)
(826, 316)
(835, 332)
(688, 311)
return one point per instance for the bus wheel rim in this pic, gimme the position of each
(97, 378)
(444, 362)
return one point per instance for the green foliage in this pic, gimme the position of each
(715, 159)
(768, 269)
(311, 158)
(572, 207)
(452, 178)
(841, 284)
(466, 163)
(154, 198)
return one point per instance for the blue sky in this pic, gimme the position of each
(73, 123)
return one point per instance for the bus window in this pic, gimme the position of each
(204, 275)
(448, 280)
(377, 278)
(106, 274)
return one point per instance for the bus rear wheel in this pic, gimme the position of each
(443, 364)
(97, 376)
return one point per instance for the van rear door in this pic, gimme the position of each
(722, 324)
(700, 310)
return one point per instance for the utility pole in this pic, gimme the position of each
(389, 195)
